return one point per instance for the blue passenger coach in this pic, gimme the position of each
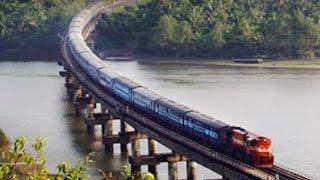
(145, 99)
(170, 112)
(106, 76)
(203, 127)
(123, 87)
(93, 66)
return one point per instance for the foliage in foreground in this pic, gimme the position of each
(229, 28)
(127, 175)
(16, 162)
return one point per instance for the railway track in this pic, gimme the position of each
(285, 173)
(277, 171)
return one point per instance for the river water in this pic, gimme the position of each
(281, 104)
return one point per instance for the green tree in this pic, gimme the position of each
(17, 160)
(183, 34)
(216, 36)
(306, 33)
(34, 25)
(225, 28)
(164, 33)
(137, 175)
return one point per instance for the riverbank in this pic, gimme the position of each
(128, 52)
(292, 64)
(29, 54)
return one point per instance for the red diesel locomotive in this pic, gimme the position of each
(254, 149)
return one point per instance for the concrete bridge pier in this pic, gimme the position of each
(135, 147)
(153, 159)
(173, 166)
(103, 110)
(108, 135)
(173, 170)
(89, 115)
(152, 147)
(123, 131)
(225, 178)
(71, 84)
(78, 100)
(107, 129)
(191, 170)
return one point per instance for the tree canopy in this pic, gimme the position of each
(229, 28)
(35, 23)
(17, 163)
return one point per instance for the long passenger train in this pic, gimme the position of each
(230, 140)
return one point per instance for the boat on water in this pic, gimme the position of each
(120, 58)
(249, 61)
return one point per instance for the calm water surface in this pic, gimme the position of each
(279, 103)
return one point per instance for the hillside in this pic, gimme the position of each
(214, 28)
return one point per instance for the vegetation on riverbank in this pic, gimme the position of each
(31, 28)
(221, 29)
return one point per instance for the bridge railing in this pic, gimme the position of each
(292, 170)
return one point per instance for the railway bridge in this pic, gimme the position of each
(86, 94)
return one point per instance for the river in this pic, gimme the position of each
(282, 104)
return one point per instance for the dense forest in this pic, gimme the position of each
(33, 26)
(215, 28)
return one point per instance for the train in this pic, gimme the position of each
(230, 140)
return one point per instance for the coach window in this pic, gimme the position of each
(180, 120)
(190, 124)
(213, 134)
(207, 131)
(162, 110)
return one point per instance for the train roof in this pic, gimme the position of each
(249, 135)
(173, 105)
(147, 93)
(107, 11)
(74, 30)
(79, 48)
(109, 72)
(77, 23)
(206, 119)
(76, 40)
(83, 14)
(87, 57)
(129, 83)
(96, 58)
(96, 64)
(75, 36)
